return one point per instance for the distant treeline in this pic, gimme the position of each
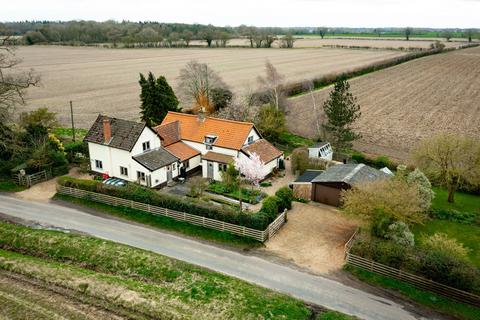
(153, 34)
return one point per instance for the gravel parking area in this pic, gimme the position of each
(314, 237)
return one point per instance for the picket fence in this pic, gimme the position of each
(414, 280)
(259, 235)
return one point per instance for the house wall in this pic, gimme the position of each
(326, 194)
(194, 162)
(267, 167)
(203, 149)
(302, 190)
(253, 133)
(217, 175)
(147, 135)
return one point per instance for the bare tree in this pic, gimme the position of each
(243, 108)
(273, 85)
(187, 36)
(318, 116)
(408, 31)
(287, 41)
(196, 82)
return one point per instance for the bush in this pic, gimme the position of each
(270, 206)
(72, 148)
(400, 234)
(265, 184)
(454, 215)
(442, 244)
(258, 221)
(359, 157)
(285, 195)
(380, 223)
(382, 161)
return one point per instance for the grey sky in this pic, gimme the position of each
(346, 13)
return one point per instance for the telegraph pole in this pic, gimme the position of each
(71, 116)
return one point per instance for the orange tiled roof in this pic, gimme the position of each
(264, 149)
(182, 151)
(230, 134)
(169, 133)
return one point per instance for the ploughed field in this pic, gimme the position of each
(408, 102)
(106, 80)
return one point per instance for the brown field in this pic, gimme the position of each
(378, 43)
(105, 80)
(408, 102)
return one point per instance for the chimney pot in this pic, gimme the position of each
(201, 115)
(107, 132)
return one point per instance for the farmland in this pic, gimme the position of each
(408, 102)
(105, 80)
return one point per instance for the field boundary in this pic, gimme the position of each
(414, 280)
(259, 235)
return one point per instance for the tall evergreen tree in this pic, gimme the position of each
(157, 99)
(342, 111)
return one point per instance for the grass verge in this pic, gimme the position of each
(436, 302)
(166, 223)
(10, 186)
(155, 285)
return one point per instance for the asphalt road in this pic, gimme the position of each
(311, 288)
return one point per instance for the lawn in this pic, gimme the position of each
(463, 201)
(436, 302)
(66, 134)
(166, 223)
(290, 141)
(468, 234)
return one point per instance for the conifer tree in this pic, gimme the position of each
(342, 111)
(157, 99)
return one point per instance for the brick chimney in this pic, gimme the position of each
(201, 115)
(107, 132)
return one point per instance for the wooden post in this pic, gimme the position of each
(73, 125)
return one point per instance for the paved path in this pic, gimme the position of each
(315, 289)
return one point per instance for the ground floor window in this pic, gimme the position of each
(186, 164)
(222, 167)
(124, 171)
(141, 176)
(98, 164)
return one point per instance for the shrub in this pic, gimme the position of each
(442, 244)
(285, 195)
(358, 157)
(382, 161)
(138, 193)
(270, 206)
(265, 184)
(454, 215)
(72, 148)
(424, 187)
(400, 234)
(380, 223)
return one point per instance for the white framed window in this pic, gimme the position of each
(98, 164)
(209, 147)
(146, 146)
(141, 176)
(250, 140)
(210, 139)
(123, 171)
(222, 167)
(174, 166)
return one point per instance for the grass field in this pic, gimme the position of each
(463, 201)
(405, 103)
(123, 278)
(106, 80)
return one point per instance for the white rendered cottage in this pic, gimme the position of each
(182, 144)
(131, 151)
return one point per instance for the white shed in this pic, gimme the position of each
(321, 150)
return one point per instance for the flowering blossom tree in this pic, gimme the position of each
(251, 168)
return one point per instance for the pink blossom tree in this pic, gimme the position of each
(251, 168)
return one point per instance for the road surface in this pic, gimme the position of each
(316, 289)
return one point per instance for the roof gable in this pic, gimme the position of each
(230, 134)
(264, 149)
(169, 132)
(124, 133)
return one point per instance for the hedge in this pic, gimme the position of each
(432, 265)
(258, 221)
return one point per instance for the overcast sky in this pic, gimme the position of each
(284, 13)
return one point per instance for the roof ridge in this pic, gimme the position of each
(355, 170)
(211, 118)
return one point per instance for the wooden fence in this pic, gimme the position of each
(414, 280)
(30, 179)
(259, 235)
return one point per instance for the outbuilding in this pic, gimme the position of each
(327, 187)
(302, 186)
(322, 150)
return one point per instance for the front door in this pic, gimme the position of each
(210, 170)
(169, 173)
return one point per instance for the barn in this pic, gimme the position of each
(327, 187)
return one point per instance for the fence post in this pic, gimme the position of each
(285, 217)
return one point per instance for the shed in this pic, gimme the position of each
(321, 150)
(302, 186)
(327, 187)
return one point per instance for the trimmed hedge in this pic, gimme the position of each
(432, 265)
(258, 221)
(285, 195)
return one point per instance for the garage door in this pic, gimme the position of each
(325, 194)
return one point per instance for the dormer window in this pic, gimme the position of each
(250, 140)
(146, 146)
(210, 139)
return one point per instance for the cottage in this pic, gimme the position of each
(321, 150)
(131, 151)
(302, 186)
(216, 142)
(327, 187)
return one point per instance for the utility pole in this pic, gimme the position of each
(71, 116)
